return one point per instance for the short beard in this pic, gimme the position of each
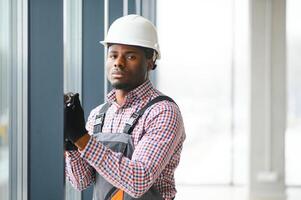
(122, 86)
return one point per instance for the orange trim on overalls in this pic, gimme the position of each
(118, 195)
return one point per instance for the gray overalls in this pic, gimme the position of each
(120, 142)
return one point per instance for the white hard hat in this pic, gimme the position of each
(133, 30)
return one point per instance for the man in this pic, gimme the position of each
(131, 145)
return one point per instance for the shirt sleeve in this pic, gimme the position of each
(163, 129)
(78, 171)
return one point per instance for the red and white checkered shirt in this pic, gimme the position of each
(156, 154)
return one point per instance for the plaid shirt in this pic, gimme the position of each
(156, 154)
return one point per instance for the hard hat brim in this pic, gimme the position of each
(105, 43)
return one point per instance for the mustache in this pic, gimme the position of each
(117, 70)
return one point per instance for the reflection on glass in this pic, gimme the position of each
(196, 69)
(293, 133)
(4, 94)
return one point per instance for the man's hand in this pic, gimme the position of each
(74, 121)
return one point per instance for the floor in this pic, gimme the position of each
(223, 193)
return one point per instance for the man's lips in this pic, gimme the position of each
(117, 74)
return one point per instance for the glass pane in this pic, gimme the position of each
(240, 102)
(4, 95)
(293, 133)
(204, 67)
(72, 61)
(196, 71)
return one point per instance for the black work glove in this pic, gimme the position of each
(69, 146)
(74, 120)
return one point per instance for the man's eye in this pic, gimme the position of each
(131, 57)
(112, 56)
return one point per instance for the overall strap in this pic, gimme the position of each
(130, 124)
(99, 119)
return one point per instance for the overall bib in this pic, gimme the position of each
(120, 142)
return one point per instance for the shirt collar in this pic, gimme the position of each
(137, 93)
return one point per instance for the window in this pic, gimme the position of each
(5, 27)
(207, 42)
(293, 136)
(13, 99)
(72, 61)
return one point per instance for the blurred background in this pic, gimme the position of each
(232, 66)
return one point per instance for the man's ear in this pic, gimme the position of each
(150, 64)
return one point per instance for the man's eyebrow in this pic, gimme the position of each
(126, 52)
(130, 51)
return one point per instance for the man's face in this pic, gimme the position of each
(127, 66)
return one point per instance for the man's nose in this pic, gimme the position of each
(119, 62)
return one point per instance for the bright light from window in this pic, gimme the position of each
(293, 134)
(200, 70)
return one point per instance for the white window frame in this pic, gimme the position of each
(18, 144)
(72, 63)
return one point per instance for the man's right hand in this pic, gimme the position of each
(74, 121)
